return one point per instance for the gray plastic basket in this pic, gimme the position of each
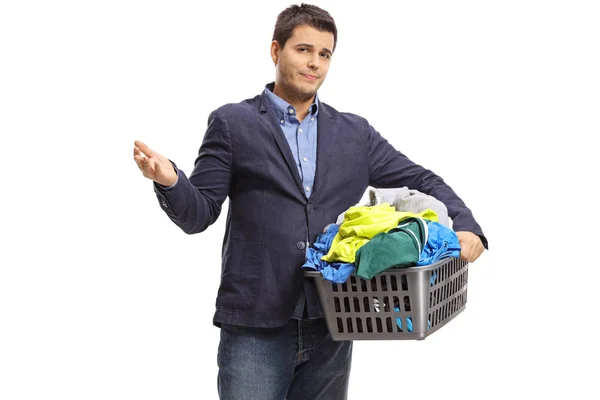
(425, 298)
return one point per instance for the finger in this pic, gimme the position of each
(144, 148)
(137, 156)
(138, 161)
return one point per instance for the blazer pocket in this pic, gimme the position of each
(240, 277)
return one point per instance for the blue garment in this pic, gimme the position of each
(442, 242)
(260, 364)
(335, 272)
(301, 136)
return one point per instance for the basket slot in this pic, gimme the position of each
(363, 286)
(353, 284)
(433, 318)
(406, 303)
(350, 325)
(389, 325)
(367, 304)
(383, 281)
(359, 325)
(340, 325)
(336, 303)
(404, 282)
(434, 278)
(376, 304)
(346, 304)
(356, 303)
(374, 285)
(386, 304)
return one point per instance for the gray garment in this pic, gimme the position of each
(340, 217)
(405, 199)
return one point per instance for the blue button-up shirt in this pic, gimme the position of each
(301, 136)
(302, 139)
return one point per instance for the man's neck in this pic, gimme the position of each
(302, 107)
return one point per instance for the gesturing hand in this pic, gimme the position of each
(470, 246)
(153, 165)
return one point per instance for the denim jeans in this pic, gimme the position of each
(299, 361)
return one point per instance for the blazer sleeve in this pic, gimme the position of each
(194, 203)
(389, 168)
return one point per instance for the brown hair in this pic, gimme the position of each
(304, 14)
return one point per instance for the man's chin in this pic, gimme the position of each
(307, 92)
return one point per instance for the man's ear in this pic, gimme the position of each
(275, 51)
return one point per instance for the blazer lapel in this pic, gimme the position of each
(327, 129)
(271, 123)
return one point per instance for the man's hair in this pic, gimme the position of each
(304, 14)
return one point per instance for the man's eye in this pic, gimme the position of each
(302, 49)
(326, 55)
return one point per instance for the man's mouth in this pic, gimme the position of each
(310, 77)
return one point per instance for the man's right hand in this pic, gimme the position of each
(153, 165)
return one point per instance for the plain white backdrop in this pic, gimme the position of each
(103, 297)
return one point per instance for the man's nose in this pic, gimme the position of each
(314, 62)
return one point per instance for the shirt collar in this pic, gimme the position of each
(282, 108)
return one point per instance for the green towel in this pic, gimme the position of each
(400, 246)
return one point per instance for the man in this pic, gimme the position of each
(290, 165)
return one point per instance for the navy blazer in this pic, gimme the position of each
(244, 155)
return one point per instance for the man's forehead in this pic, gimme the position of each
(310, 35)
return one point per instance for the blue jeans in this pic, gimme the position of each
(299, 361)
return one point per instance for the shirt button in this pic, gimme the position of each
(309, 207)
(164, 204)
(304, 159)
(291, 111)
(300, 245)
(312, 119)
(307, 188)
(282, 122)
(300, 130)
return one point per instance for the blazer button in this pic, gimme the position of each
(309, 207)
(300, 245)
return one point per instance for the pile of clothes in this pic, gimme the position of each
(394, 228)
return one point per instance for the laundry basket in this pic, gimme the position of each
(400, 304)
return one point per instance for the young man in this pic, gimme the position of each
(290, 165)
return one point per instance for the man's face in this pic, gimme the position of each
(302, 65)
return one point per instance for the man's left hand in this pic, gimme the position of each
(470, 246)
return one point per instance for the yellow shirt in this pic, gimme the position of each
(361, 223)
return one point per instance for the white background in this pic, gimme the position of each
(103, 297)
